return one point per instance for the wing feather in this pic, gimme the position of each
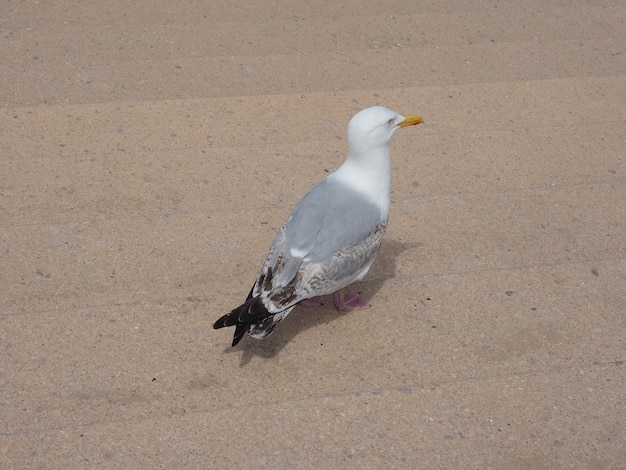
(329, 241)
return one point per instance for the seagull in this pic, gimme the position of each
(331, 238)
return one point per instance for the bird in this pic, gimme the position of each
(331, 238)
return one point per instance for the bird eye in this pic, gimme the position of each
(391, 121)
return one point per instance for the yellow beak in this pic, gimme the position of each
(412, 120)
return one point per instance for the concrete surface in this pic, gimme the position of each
(149, 151)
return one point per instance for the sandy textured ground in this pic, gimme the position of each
(150, 150)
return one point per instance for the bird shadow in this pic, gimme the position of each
(303, 318)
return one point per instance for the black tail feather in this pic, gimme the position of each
(240, 331)
(250, 312)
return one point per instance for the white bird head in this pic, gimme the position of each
(372, 128)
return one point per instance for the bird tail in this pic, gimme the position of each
(251, 317)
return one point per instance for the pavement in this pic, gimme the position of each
(149, 152)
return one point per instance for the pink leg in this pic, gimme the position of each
(312, 302)
(349, 302)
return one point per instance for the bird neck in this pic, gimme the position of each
(369, 173)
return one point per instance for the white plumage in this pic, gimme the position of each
(331, 238)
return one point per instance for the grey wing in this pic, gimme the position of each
(329, 240)
(344, 267)
(330, 218)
